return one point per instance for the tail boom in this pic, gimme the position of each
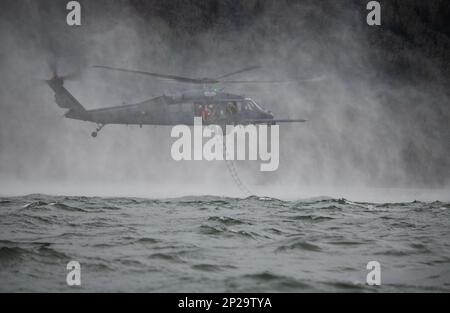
(64, 99)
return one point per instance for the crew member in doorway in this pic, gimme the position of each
(232, 111)
(207, 113)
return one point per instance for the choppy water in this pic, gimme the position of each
(215, 244)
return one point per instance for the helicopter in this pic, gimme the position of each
(215, 107)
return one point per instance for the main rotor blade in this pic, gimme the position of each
(240, 71)
(164, 76)
(271, 81)
(205, 81)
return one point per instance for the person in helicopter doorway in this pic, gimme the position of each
(208, 113)
(203, 112)
(232, 110)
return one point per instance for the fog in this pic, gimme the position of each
(370, 135)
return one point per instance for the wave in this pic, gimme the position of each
(213, 243)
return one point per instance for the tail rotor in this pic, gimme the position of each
(56, 77)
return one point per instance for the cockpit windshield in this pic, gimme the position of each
(252, 105)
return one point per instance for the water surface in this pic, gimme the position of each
(219, 244)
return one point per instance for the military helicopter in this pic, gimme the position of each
(214, 107)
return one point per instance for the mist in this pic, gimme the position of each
(378, 121)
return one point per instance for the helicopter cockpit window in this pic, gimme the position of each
(256, 106)
(248, 106)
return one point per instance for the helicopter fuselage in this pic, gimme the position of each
(214, 107)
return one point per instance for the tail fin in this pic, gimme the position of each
(64, 99)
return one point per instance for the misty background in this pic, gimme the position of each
(379, 121)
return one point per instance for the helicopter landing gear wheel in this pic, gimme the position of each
(99, 128)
